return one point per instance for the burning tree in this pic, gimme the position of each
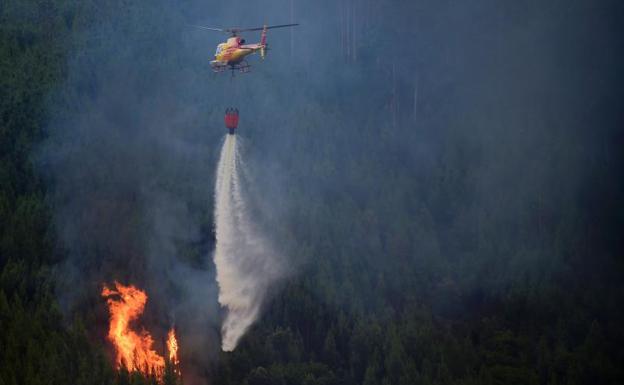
(134, 352)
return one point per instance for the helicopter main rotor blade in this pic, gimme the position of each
(209, 28)
(268, 27)
(234, 31)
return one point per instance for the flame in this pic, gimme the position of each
(133, 350)
(172, 347)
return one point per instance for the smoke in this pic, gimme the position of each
(360, 171)
(246, 264)
(126, 159)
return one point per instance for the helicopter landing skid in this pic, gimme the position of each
(243, 67)
(219, 69)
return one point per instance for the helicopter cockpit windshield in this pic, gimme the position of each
(219, 49)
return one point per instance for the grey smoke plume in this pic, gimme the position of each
(246, 264)
(126, 162)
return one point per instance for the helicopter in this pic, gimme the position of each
(231, 54)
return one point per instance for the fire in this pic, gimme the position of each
(134, 350)
(172, 347)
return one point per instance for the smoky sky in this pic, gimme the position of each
(342, 125)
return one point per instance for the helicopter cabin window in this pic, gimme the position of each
(219, 49)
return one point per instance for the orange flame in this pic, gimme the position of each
(134, 350)
(172, 347)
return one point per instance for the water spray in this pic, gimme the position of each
(246, 265)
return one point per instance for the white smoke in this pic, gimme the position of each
(246, 264)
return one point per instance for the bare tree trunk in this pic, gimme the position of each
(416, 85)
(353, 31)
(348, 29)
(292, 31)
(395, 102)
(341, 26)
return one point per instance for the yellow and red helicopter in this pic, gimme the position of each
(232, 53)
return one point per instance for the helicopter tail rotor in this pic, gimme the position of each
(263, 42)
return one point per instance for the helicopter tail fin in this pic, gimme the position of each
(263, 42)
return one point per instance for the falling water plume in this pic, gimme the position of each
(246, 265)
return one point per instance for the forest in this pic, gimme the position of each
(441, 180)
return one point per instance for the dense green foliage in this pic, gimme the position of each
(406, 275)
(37, 346)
